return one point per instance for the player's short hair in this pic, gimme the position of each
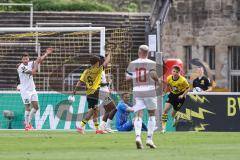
(102, 58)
(124, 93)
(25, 55)
(94, 59)
(144, 48)
(177, 68)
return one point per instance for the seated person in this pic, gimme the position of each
(123, 110)
(201, 83)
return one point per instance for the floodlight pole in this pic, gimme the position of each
(158, 59)
(31, 15)
(158, 36)
(159, 54)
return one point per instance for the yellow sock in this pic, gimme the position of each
(96, 125)
(83, 123)
(164, 125)
(164, 120)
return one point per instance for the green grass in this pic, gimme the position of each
(41, 145)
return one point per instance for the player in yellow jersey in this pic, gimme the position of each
(92, 78)
(179, 88)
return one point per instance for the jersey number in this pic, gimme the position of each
(174, 88)
(141, 75)
(90, 80)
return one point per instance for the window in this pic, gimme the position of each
(234, 53)
(234, 57)
(209, 56)
(235, 81)
(188, 57)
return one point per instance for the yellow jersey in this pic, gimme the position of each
(177, 86)
(92, 77)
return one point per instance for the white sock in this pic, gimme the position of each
(108, 124)
(32, 112)
(103, 125)
(151, 126)
(26, 115)
(138, 126)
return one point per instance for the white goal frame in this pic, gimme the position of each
(67, 25)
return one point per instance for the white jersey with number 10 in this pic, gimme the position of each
(139, 70)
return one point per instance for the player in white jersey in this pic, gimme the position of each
(26, 70)
(107, 103)
(143, 73)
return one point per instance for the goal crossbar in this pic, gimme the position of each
(51, 29)
(101, 30)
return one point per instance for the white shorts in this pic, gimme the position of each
(29, 96)
(105, 98)
(141, 103)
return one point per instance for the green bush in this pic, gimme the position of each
(132, 7)
(61, 5)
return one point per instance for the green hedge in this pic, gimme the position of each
(60, 5)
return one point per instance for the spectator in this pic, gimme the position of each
(201, 83)
(123, 110)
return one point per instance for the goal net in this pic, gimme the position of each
(59, 72)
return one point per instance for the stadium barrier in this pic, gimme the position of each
(200, 112)
(55, 111)
(219, 111)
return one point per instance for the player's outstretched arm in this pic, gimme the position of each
(166, 86)
(185, 93)
(79, 83)
(185, 83)
(38, 61)
(210, 88)
(162, 85)
(35, 68)
(107, 59)
(129, 76)
(155, 77)
(130, 109)
(48, 52)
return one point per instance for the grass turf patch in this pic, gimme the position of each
(118, 146)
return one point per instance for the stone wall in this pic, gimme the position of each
(200, 23)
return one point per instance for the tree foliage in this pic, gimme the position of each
(59, 5)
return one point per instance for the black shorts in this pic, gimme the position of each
(175, 101)
(92, 99)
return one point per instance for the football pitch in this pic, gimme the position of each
(40, 145)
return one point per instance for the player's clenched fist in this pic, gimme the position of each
(49, 51)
